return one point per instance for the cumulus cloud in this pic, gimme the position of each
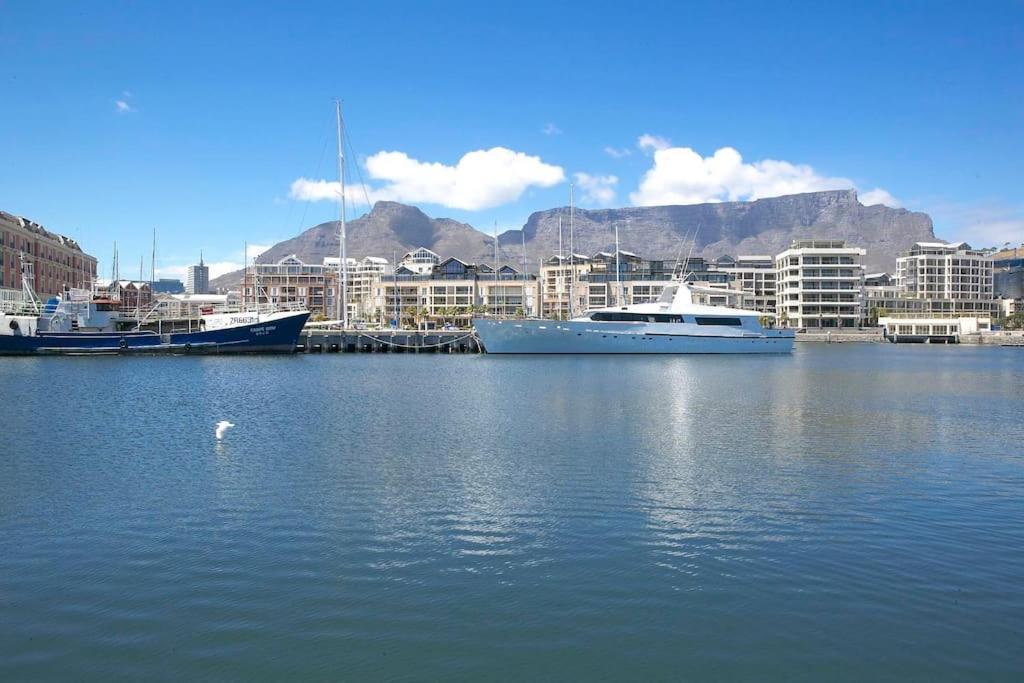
(481, 179)
(652, 143)
(680, 175)
(617, 152)
(551, 129)
(597, 189)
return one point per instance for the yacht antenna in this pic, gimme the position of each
(342, 255)
(688, 255)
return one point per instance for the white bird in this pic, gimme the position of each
(222, 427)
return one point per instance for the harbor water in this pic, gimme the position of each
(847, 512)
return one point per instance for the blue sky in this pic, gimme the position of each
(225, 106)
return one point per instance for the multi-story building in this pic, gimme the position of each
(454, 290)
(755, 277)
(197, 278)
(562, 293)
(420, 261)
(951, 272)
(58, 261)
(290, 280)
(820, 284)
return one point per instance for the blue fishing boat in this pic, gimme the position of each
(78, 322)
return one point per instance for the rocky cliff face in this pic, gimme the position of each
(765, 226)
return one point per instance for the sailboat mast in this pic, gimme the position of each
(618, 268)
(572, 254)
(342, 252)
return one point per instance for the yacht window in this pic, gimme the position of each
(616, 316)
(731, 322)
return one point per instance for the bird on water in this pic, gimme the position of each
(222, 427)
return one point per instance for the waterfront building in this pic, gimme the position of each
(561, 278)
(452, 291)
(58, 261)
(755, 277)
(820, 284)
(952, 272)
(925, 328)
(289, 281)
(363, 275)
(197, 278)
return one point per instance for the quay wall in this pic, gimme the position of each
(388, 341)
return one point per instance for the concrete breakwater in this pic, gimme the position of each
(388, 341)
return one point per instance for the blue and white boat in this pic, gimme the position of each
(78, 322)
(675, 323)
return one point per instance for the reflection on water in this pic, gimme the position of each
(455, 516)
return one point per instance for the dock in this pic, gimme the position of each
(388, 341)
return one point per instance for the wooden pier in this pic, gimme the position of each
(388, 341)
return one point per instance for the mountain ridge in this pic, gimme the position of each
(763, 226)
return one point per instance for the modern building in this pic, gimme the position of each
(58, 261)
(820, 284)
(197, 278)
(952, 272)
(755, 276)
(290, 280)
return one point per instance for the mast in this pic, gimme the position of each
(152, 263)
(494, 287)
(561, 263)
(572, 254)
(618, 267)
(394, 278)
(342, 253)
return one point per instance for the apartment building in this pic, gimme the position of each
(58, 261)
(755, 277)
(820, 284)
(954, 272)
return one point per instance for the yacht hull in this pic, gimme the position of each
(579, 337)
(277, 333)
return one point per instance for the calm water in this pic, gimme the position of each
(848, 512)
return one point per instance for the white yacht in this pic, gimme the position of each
(675, 323)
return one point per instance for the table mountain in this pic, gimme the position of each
(764, 226)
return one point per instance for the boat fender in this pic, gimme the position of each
(188, 347)
(123, 343)
(14, 325)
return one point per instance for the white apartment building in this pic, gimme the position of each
(956, 274)
(820, 284)
(420, 261)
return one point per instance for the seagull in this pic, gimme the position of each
(222, 427)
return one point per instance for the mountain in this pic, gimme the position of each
(764, 226)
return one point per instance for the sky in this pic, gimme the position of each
(213, 123)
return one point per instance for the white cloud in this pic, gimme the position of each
(878, 196)
(651, 143)
(617, 152)
(597, 189)
(682, 176)
(123, 106)
(551, 129)
(481, 179)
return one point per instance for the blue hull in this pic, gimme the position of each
(277, 336)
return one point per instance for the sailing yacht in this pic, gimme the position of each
(675, 323)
